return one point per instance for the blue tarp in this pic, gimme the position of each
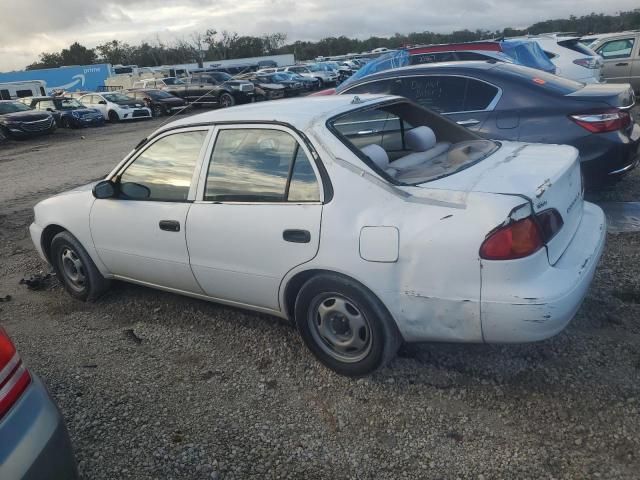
(529, 54)
(84, 77)
(522, 52)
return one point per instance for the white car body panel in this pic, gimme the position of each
(123, 113)
(415, 247)
(564, 57)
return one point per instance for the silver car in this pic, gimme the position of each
(34, 443)
(621, 55)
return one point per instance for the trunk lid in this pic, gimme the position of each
(546, 175)
(618, 95)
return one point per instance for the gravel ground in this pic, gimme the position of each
(153, 385)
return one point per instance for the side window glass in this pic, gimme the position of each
(617, 48)
(165, 169)
(439, 93)
(479, 95)
(253, 165)
(381, 87)
(303, 186)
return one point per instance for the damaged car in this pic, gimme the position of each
(368, 220)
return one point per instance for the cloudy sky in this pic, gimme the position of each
(28, 27)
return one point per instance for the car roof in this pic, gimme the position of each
(298, 112)
(460, 65)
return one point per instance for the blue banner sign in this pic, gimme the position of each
(79, 78)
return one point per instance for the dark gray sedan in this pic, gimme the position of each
(34, 443)
(502, 101)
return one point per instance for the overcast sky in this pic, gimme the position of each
(28, 27)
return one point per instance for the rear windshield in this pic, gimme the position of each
(407, 144)
(539, 79)
(577, 46)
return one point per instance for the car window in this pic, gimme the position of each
(44, 104)
(479, 95)
(440, 93)
(253, 165)
(617, 48)
(24, 93)
(164, 170)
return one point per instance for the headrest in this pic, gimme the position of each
(420, 139)
(377, 154)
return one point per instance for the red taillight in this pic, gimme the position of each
(14, 377)
(516, 240)
(604, 121)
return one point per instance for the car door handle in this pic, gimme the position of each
(297, 236)
(468, 123)
(622, 64)
(170, 225)
(365, 132)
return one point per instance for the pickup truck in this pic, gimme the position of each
(213, 89)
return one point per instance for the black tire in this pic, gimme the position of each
(64, 123)
(67, 256)
(157, 111)
(226, 100)
(375, 328)
(113, 116)
(320, 83)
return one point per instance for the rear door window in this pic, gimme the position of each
(440, 93)
(617, 49)
(259, 165)
(479, 95)
(24, 93)
(5, 95)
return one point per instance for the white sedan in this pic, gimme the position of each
(367, 220)
(116, 106)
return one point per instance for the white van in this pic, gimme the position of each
(27, 88)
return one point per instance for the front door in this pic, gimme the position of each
(618, 55)
(140, 234)
(257, 215)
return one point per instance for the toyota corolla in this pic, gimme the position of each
(369, 221)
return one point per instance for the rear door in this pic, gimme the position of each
(257, 214)
(618, 55)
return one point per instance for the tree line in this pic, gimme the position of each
(212, 45)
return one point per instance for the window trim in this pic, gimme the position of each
(302, 143)
(634, 42)
(491, 107)
(115, 175)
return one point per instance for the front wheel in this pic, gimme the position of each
(113, 117)
(226, 100)
(345, 325)
(157, 111)
(75, 269)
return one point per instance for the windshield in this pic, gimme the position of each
(172, 81)
(221, 76)
(13, 107)
(383, 136)
(157, 94)
(68, 104)
(117, 97)
(280, 77)
(318, 67)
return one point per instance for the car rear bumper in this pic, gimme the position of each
(551, 298)
(609, 155)
(34, 440)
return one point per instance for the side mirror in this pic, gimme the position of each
(49, 109)
(102, 102)
(104, 189)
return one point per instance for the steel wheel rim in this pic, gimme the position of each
(339, 327)
(73, 269)
(226, 101)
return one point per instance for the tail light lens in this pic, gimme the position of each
(588, 62)
(604, 121)
(522, 238)
(14, 377)
(516, 240)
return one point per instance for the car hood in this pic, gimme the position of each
(271, 86)
(172, 101)
(131, 104)
(25, 116)
(547, 176)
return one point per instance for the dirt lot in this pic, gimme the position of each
(154, 385)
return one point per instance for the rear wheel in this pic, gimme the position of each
(75, 269)
(345, 325)
(226, 100)
(113, 117)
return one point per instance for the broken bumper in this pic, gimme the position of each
(545, 300)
